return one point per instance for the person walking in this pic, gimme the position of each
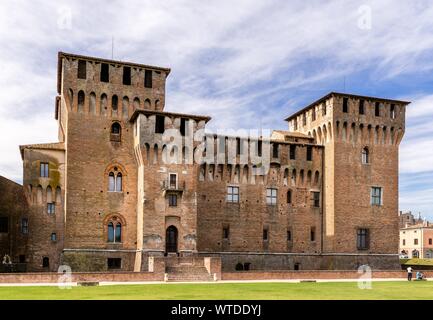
(409, 273)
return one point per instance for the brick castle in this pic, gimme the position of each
(128, 181)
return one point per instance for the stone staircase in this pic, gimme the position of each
(187, 272)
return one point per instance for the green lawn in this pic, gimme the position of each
(337, 290)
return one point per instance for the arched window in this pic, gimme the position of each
(119, 182)
(116, 131)
(365, 156)
(81, 98)
(92, 103)
(114, 105)
(115, 181)
(114, 230)
(125, 107)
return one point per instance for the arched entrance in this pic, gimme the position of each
(171, 240)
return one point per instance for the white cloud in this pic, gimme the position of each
(245, 63)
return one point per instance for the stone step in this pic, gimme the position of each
(186, 270)
(190, 278)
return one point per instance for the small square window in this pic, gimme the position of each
(44, 170)
(114, 263)
(376, 196)
(232, 194)
(51, 208)
(271, 196)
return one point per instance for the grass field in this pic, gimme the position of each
(223, 291)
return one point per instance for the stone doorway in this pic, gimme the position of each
(171, 237)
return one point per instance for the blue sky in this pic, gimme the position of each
(245, 63)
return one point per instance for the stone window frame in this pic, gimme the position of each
(272, 199)
(376, 199)
(115, 219)
(115, 168)
(233, 197)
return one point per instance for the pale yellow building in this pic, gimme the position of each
(417, 241)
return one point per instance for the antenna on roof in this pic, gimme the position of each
(112, 47)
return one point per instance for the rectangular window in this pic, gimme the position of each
(173, 181)
(361, 107)
(238, 146)
(345, 105)
(304, 119)
(430, 241)
(226, 233)
(127, 76)
(160, 124)
(53, 237)
(172, 200)
(292, 152)
(309, 153)
(362, 239)
(148, 79)
(44, 170)
(289, 235)
(377, 109)
(404, 242)
(105, 74)
(271, 196)
(316, 199)
(259, 148)
(295, 124)
(324, 109)
(51, 208)
(415, 241)
(265, 234)
(376, 196)
(313, 114)
(114, 263)
(24, 226)
(233, 194)
(274, 150)
(4, 224)
(312, 234)
(82, 74)
(182, 127)
(392, 111)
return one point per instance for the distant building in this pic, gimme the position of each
(407, 219)
(416, 241)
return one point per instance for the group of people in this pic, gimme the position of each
(419, 275)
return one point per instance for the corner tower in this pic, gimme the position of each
(361, 136)
(97, 99)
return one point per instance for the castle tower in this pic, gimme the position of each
(97, 99)
(361, 136)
